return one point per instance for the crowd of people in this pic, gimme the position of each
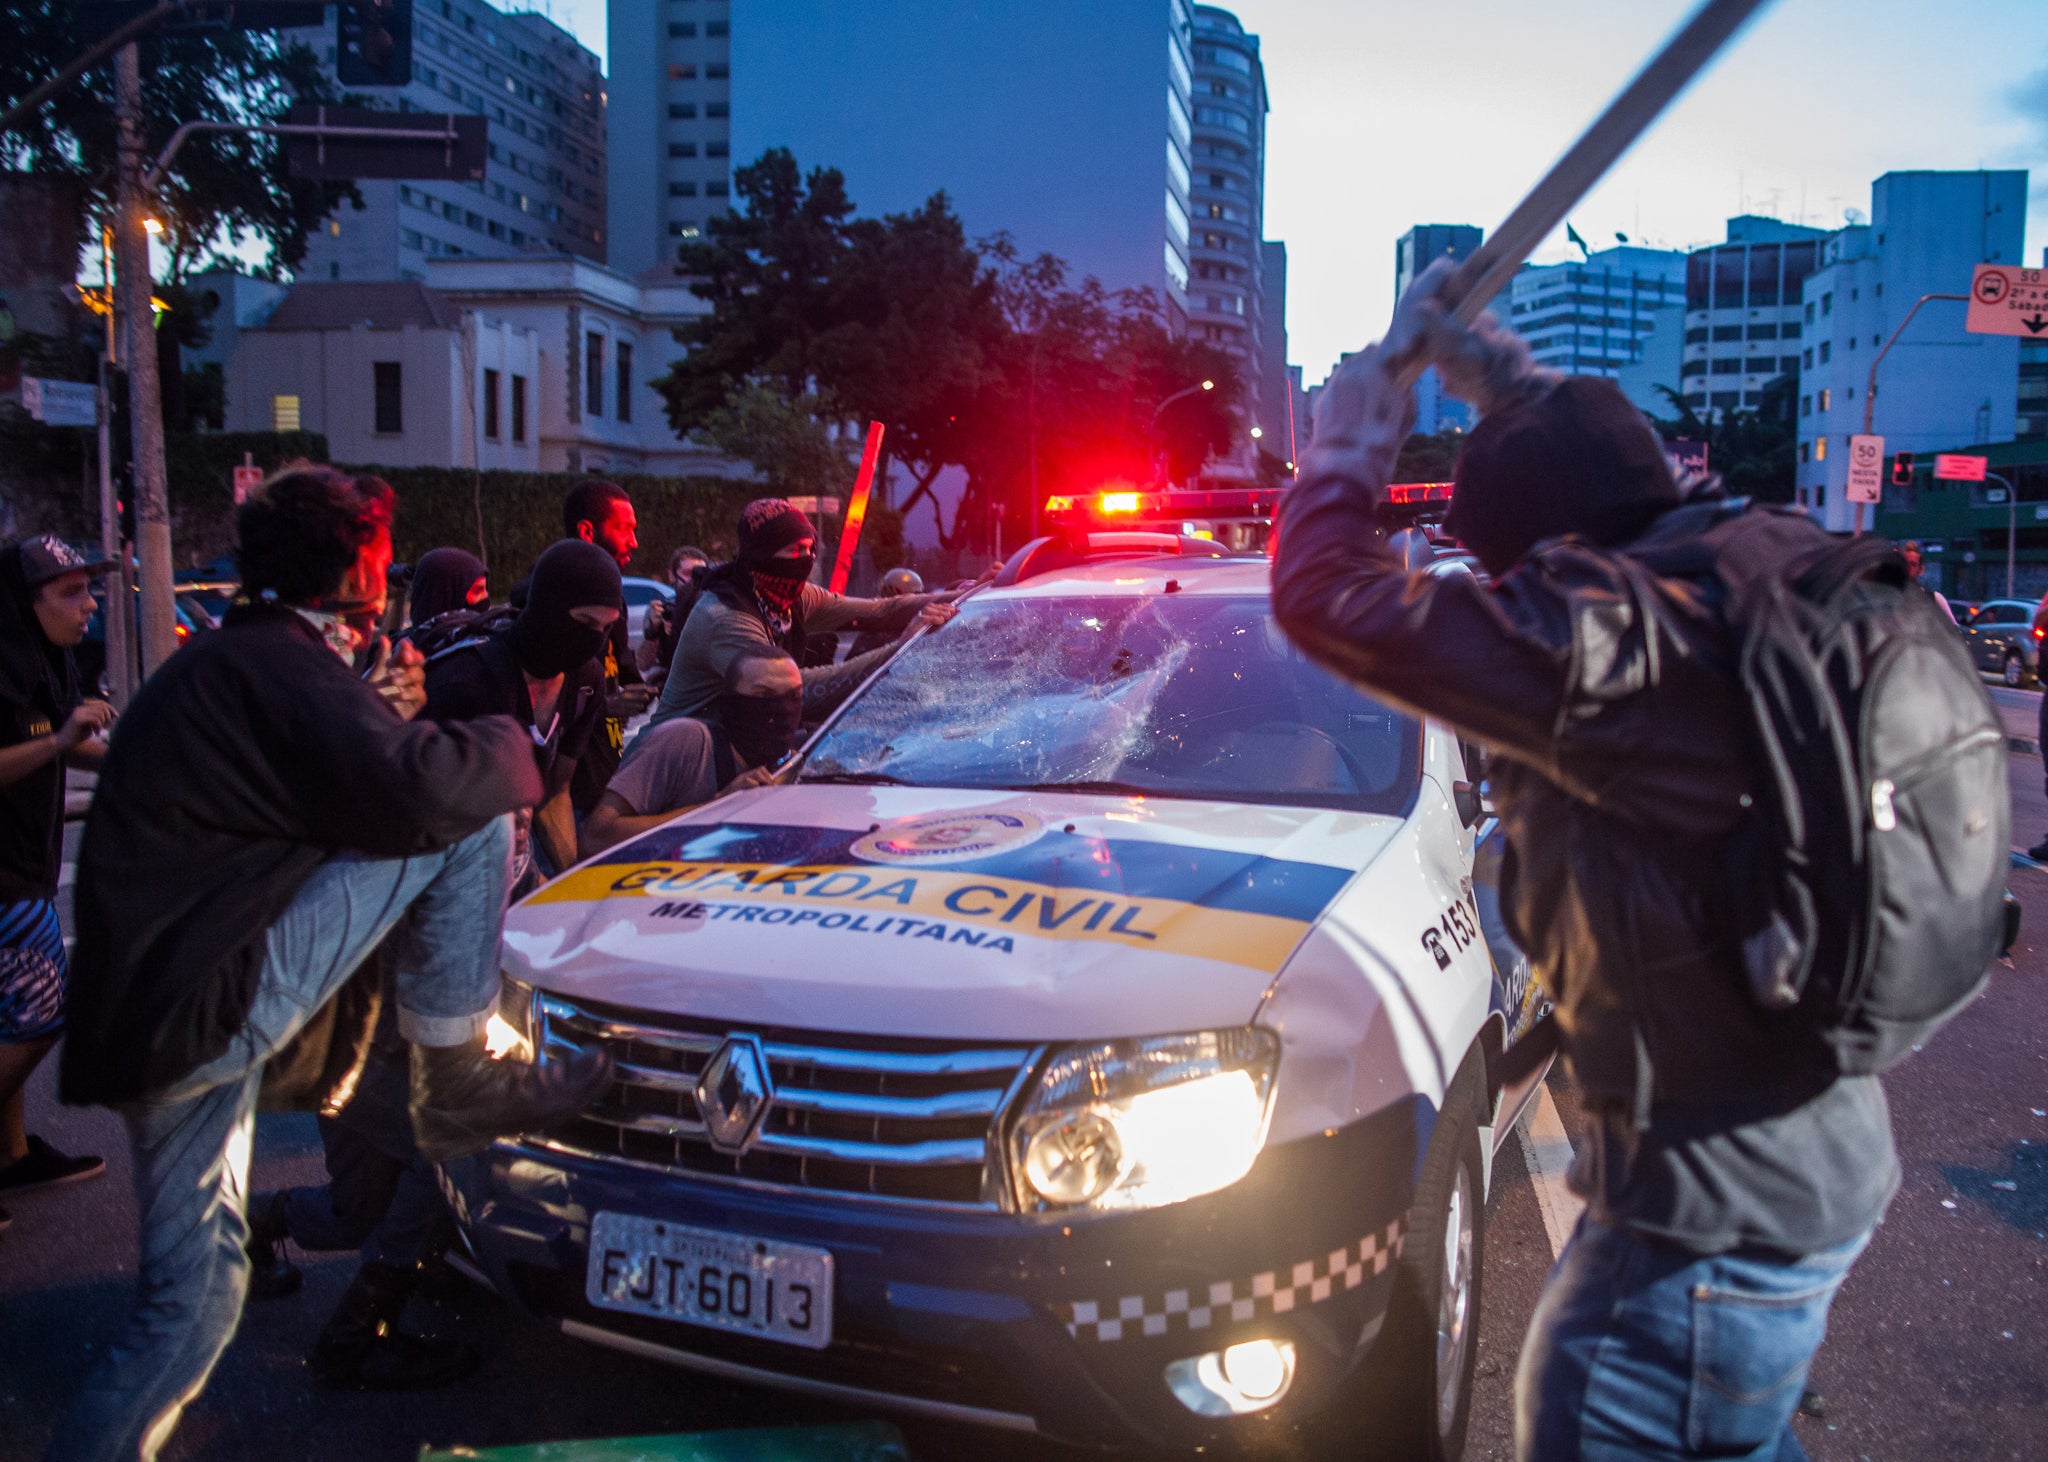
(293, 875)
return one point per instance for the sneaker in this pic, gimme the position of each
(2039, 852)
(271, 1275)
(45, 1167)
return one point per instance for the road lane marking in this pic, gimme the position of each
(1548, 1151)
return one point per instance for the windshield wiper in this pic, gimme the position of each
(1108, 789)
(856, 779)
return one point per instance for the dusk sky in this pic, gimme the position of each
(1388, 113)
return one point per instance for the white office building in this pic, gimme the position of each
(1938, 386)
(543, 190)
(1594, 317)
(1743, 322)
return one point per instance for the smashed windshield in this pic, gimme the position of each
(1180, 695)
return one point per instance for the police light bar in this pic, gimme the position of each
(1417, 493)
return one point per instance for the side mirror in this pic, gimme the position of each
(1470, 803)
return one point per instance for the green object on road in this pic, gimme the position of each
(867, 1441)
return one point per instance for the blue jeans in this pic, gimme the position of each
(1638, 1350)
(190, 1142)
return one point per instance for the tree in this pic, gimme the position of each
(1752, 452)
(784, 439)
(221, 186)
(768, 272)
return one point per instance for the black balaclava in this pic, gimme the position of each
(441, 582)
(761, 728)
(767, 525)
(546, 638)
(1574, 457)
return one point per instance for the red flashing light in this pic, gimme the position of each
(1419, 492)
(1117, 502)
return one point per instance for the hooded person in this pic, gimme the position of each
(447, 579)
(763, 602)
(1600, 670)
(46, 604)
(542, 668)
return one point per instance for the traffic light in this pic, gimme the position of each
(373, 42)
(1902, 469)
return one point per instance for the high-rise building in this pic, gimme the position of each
(1591, 318)
(1742, 313)
(1938, 386)
(1065, 125)
(543, 190)
(1279, 412)
(1414, 252)
(669, 125)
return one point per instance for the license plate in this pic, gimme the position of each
(647, 1266)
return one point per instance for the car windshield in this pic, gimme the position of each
(1167, 695)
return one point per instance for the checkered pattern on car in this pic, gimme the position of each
(1275, 1292)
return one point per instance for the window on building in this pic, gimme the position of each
(1729, 367)
(1763, 276)
(682, 190)
(388, 397)
(1726, 400)
(1820, 449)
(1693, 368)
(1826, 398)
(490, 403)
(1727, 332)
(625, 412)
(1799, 260)
(1827, 349)
(682, 30)
(682, 149)
(683, 71)
(1789, 330)
(1827, 303)
(1806, 405)
(717, 28)
(1763, 332)
(1699, 275)
(284, 413)
(1696, 336)
(717, 70)
(1788, 365)
(682, 111)
(593, 373)
(518, 408)
(717, 109)
(1728, 272)
(716, 189)
(718, 149)
(1809, 312)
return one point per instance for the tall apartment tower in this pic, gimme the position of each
(543, 190)
(1414, 252)
(1229, 185)
(669, 126)
(1592, 318)
(1066, 124)
(1939, 387)
(1742, 313)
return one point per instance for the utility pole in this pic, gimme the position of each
(118, 615)
(145, 399)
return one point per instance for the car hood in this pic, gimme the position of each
(946, 914)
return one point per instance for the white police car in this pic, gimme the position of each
(1097, 1034)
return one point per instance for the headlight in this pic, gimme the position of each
(1139, 1124)
(510, 1029)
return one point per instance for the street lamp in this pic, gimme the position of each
(1160, 457)
(1870, 386)
(1257, 433)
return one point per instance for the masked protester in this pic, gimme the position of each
(1730, 1178)
(447, 579)
(763, 600)
(680, 763)
(46, 602)
(269, 821)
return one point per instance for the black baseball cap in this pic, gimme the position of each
(48, 557)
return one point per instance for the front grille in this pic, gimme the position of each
(895, 1119)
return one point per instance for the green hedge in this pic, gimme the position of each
(522, 513)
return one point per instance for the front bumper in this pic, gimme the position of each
(1060, 1323)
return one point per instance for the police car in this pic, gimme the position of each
(1098, 1031)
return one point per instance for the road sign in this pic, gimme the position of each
(2008, 300)
(1866, 469)
(1960, 467)
(60, 403)
(807, 503)
(247, 480)
(448, 146)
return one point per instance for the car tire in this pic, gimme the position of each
(1411, 1399)
(2015, 669)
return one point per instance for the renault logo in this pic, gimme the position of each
(733, 1094)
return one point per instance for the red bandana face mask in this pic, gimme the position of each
(777, 589)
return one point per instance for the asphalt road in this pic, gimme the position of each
(1938, 1343)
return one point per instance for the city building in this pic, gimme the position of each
(543, 189)
(1743, 319)
(1938, 385)
(393, 374)
(239, 302)
(1280, 414)
(1066, 126)
(604, 339)
(668, 126)
(1594, 317)
(1964, 528)
(1414, 252)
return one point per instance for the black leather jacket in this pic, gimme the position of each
(1606, 694)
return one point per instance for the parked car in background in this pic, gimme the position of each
(2002, 640)
(92, 650)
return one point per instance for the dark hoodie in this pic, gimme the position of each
(38, 690)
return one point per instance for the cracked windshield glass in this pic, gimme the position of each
(1168, 695)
